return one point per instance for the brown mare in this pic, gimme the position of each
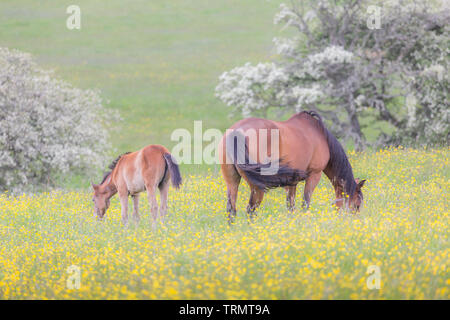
(131, 173)
(305, 149)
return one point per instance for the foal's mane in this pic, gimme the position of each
(112, 166)
(338, 165)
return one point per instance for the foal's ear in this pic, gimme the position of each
(94, 186)
(360, 183)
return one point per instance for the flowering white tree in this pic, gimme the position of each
(340, 67)
(47, 127)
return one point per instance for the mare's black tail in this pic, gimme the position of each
(264, 176)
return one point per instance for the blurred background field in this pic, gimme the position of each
(157, 62)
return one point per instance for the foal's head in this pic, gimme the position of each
(101, 200)
(105, 190)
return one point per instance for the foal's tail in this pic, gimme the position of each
(174, 170)
(264, 176)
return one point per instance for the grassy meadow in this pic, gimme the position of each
(319, 254)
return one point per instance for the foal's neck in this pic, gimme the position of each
(109, 187)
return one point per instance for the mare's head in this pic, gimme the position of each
(356, 200)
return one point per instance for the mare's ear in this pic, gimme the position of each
(360, 183)
(94, 186)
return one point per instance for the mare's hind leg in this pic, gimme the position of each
(256, 197)
(164, 191)
(232, 180)
(290, 198)
(136, 208)
(311, 183)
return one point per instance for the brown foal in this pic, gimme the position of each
(131, 173)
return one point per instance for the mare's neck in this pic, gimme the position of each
(338, 185)
(332, 176)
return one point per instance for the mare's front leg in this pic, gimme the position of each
(136, 208)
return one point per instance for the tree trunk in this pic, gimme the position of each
(358, 136)
(356, 133)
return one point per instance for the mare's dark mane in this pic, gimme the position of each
(338, 166)
(112, 166)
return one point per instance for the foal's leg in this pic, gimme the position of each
(311, 183)
(136, 208)
(164, 191)
(256, 197)
(151, 194)
(290, 197)
(123, 197)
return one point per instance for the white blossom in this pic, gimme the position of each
(306, 96)
(248, 87)
(335, 64)
(47, 127)
(285, 47)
